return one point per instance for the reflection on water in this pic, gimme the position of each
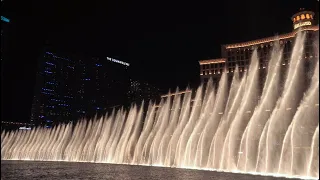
(24, 170)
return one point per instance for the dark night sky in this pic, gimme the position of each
(163, 41)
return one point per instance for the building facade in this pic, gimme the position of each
(4, 28)
(239, 54)
(140, 90)
(70, 87)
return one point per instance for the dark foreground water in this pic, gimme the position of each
(25, 170)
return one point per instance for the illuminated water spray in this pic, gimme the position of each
(237, 128)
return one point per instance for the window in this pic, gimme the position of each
(307, 16)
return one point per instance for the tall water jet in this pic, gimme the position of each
(244, 113)
(270, 94)
(146, 151)
(144, 135)
(183, 119)
(210, 127)
(193, 148)
(163, 120)
(286, 107)
(115, 136)
(313, 166)
(302, 129)
(221, 100)
(174, 117)
(223, 126)
(129, 154)
(181, 157)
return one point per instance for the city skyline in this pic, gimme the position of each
(164, 51)
(70, 87)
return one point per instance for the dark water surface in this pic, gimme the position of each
(26, 170)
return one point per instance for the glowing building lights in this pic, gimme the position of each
(118, 61)
(50, 63)
(5, 19)
(48, 72)
(307, 23)
(307, 16)
(24, 128)
(212, 61)
(272, 39)
(53, 55)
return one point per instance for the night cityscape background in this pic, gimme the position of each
(63, 61)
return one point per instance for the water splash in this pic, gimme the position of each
(240, 129)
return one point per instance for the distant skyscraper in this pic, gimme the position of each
(4, 28)
(140, 90)
(71, 87)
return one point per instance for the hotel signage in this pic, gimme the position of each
(300, 24)
(118, 61)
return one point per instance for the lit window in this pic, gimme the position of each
(294, 19)
(307, 16)
(303, 16)
(311, 16)
(298, 18)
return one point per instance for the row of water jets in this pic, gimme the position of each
(236, 128)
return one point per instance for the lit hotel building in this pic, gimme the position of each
(4, 28)
(70, 87)
(240, 53)
(140, 90)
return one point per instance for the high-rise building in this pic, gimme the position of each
(4, 28)
(240, 53)
(140, 90)
(70, 87)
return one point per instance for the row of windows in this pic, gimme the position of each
(220, 71)
(261, 48)
(241, 68)
(302, 17)
(215, 65)
(241, 61)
